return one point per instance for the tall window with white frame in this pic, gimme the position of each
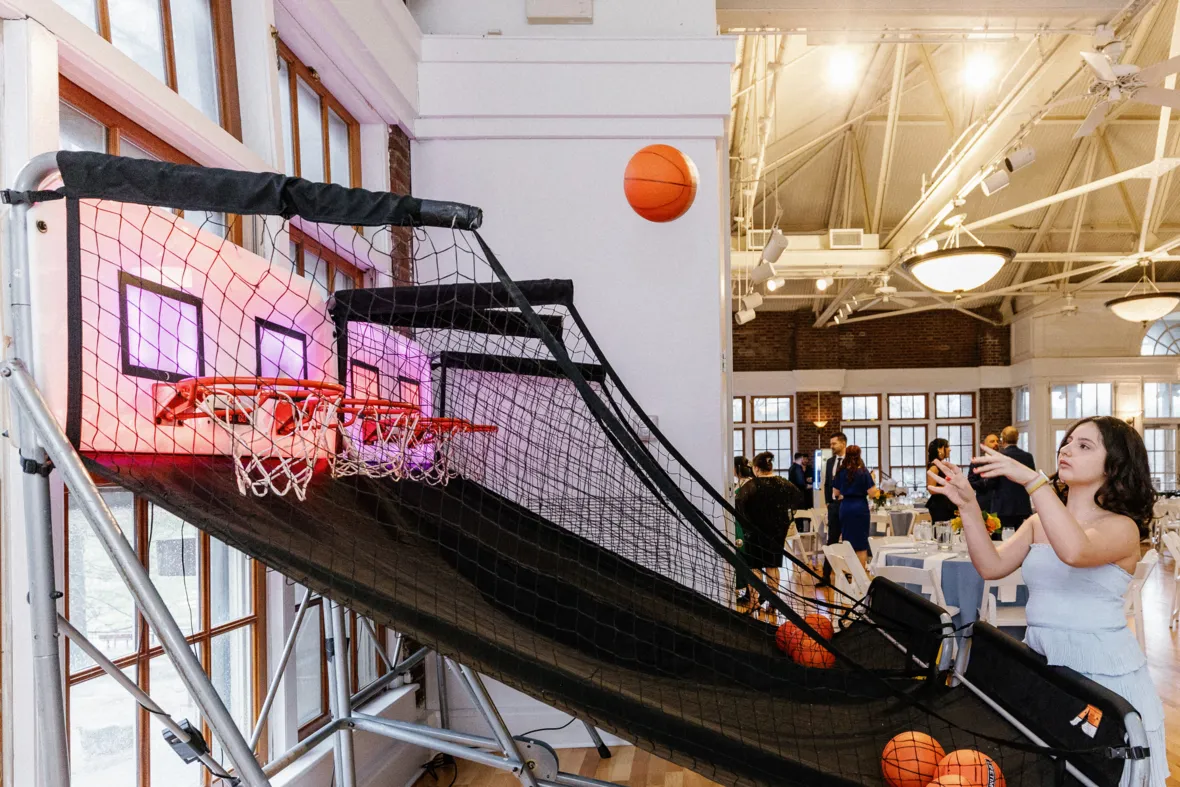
(321, 140)
(773, 429)
(856, 410)
(907, 440)
(1022, 407)
(957, 409)
(739, 431)
(1072, 401)
(1161, 415)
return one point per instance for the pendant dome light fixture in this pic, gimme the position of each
(1145, 302)
(955, 268)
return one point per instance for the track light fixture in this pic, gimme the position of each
(751, 301)
(1019, 159)
(775, 246)
(762, 272)
(775, 284)
(994, 182)
(744, 316)
(821, 283)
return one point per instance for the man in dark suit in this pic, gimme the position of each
(798, 475)
(981, 485)
(838, 443)
(1009, 501)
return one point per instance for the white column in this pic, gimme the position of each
(375, 177)
(30, 113)
(258, 80)
(1040, 437)
(283, 726)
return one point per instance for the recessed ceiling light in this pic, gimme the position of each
(842, 68)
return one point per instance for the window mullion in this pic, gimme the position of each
(169, 45)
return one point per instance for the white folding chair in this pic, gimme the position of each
(879, 545)
(990, 609)
(1172, 545)
(1133, 598)
(814, 538)
(848, 575)
(797, 546)
(923, 578)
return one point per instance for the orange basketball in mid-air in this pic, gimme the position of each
(660, 183)
(810, 653)
(822, 625)
(975, 767)
(910, 759)
(788, 638)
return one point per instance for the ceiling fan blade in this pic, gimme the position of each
(906, 302)
(870, 303)
(1154, 74)
(1100, 66)
(1063, 101)
(1093, 120)
(1159, 96)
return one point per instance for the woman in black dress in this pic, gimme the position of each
(766, 505)
(941, 508)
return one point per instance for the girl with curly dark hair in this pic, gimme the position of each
(1077, 554)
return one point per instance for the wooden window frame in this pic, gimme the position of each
(844, 420)
(907, 423)
(352, 626)
(974, 406)
(119, 127)
(974, 426)
(741, 399)
(790, 406)
(740, 430)
(881, 448)
(226, 66)
(925, 397)
(297, 69)
(144, 652)
(335, 260)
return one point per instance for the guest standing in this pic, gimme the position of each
(981, 485)
(939, 505)
(766, 504)
(1009, 501)
(742, 473)
(838, 444)
(852, 484)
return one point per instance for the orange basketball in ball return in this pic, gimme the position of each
(952, 780)
(810, 653)
(975, 767)
(911, 759)
(822, 625)
(788, 638)
(660, 183)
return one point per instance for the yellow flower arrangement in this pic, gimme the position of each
(990, 520)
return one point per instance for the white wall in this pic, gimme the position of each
(611, 18)
(537, 132)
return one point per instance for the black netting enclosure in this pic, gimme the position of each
(351, 388)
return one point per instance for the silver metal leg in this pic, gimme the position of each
(378, 644)
(499, 728)
(134, 575)
(273, 690)
(141, 696)
(53, 753)
(603, 751)
(440, 672)
(339, 693)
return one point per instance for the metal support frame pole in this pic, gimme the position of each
(440, 672)
(140, 696)
(339, 694)
(302, 748)
(499, 728)
(378, 644)
(272, 691)
(375, 688)
(53, 751)
(603, 750)
(134, 575)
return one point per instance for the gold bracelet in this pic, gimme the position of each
(1036, 483)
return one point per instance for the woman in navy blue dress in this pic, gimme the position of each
(853, 482)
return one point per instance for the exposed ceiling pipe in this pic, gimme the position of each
(750, 190)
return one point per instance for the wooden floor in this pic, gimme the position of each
(632, 767)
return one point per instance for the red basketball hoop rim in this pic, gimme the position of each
(189, 393)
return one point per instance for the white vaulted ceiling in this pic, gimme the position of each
(818, 85)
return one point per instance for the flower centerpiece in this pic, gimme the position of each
(880, 497)
(990, 520)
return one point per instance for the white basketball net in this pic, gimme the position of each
(276, 434)
(376, 444)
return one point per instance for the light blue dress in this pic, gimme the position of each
(1075, 619)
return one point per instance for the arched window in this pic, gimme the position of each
(1162, 337)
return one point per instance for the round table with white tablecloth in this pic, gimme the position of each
(962, 586)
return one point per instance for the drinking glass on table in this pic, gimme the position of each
(944, 534)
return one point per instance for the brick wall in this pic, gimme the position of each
(785, 341)
(995, 410)
(399, 183)
(808, 410)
